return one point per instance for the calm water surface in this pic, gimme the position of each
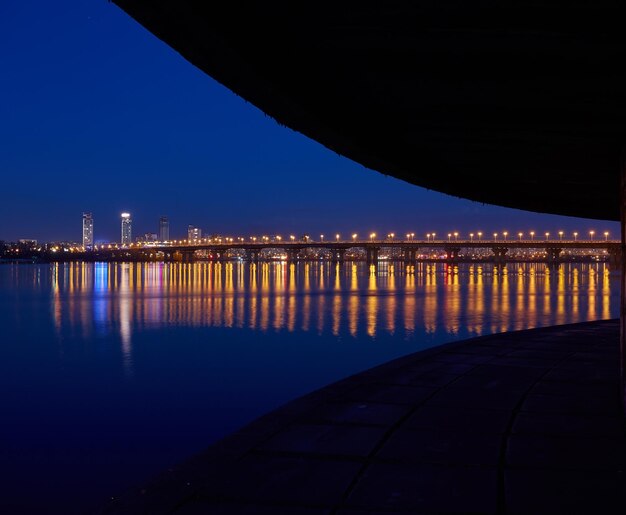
(111, 372)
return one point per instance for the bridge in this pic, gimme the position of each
(409, 250)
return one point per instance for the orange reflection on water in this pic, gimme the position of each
(371, 305)
(352, 299)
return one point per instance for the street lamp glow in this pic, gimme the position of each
(471, 236)
(606, 235)
(505, 234)
(433, 235)
(480, 235)
(495, 236)
(354, 237)
(560, 235)
(292, 237)
(322, 237)
(532, 235)
(372, 236)
(591, 233)
(519, 235)
(337, 237)
(456, 236)
(547, 235)
(449, 236)
(575, 236)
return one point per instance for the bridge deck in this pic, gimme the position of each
(401, 244)
(523, 422)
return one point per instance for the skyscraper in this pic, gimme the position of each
(164, 229)
(194, 234)
(127, 223)
(87, 231)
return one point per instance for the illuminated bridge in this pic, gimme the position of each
(409, 250)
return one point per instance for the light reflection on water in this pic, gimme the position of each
(351, 300)
(116, 371)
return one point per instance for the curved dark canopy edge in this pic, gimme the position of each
(519, 106)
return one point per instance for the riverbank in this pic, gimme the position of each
(519, 422)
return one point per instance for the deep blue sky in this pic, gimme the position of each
(98, 115)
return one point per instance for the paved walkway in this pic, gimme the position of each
(525, 422)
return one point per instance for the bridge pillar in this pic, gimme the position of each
(409, 256)
(615, 259)
(554, 255)
(338, 255)
(292, 255)
(452, 254)
(499, 255)
(372, 255)
(252, 255)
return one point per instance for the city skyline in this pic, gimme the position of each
(196, 233)
(160, 231)
(166, 126)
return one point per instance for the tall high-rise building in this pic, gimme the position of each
(194, 234)
(164, 229)
(87, 230)
(127, 223)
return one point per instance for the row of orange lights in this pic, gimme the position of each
(431, 236)
(391, 236)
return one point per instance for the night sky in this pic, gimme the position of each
(96, 114)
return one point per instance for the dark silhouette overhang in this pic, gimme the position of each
(517, 104)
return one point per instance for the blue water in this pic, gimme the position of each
(111, 372)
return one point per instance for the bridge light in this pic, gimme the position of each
(591, 233)
(532, 235)
(354, 237)
(372, 236)
(322, 237)
(292, 237)
(495, 236)
(505, 234)
(456, 236)
(449, 236)
(337, 237)
(393, 235)
(428, 237)
(575, 236)
(547, 235)
(471, 236)
(520, 234)
(560, 235)
(606, 235)
(480, 235)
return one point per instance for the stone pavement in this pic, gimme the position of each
(523, 422)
